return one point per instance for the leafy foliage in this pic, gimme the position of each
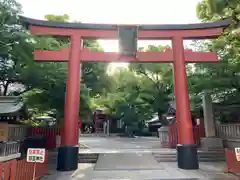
(139, 92)
(222, 79)
(134, 94)
(42, 85)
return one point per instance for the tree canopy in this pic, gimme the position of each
(43, 84)
(223, 78)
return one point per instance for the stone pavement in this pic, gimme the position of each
(166, 171)
(117, 143)
(126, 161)
(135, 162)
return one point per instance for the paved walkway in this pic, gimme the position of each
(113, 143)
(166, 171)
(126, 161)
(135, 163)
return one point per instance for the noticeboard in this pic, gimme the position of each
(237, 153)
(36, 155)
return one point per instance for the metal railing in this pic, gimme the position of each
(9, 147)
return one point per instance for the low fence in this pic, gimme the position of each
(12, 132)
(17, 132)
(22, 170)
(49, 133)
(9, 147)
(198, 132)
(228, 130)
(25, 170)
(8, 170)
(172, 136)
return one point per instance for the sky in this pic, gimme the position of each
(116, 12)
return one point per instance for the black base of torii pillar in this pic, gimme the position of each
(187, 157)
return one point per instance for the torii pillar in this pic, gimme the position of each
(186, 147)
(68, 152)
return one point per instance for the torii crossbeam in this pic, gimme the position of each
(68, 152)
(147, 57)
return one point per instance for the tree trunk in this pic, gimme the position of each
(1, 90)
(5, 88)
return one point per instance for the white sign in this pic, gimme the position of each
(36, 155)
(237, 153)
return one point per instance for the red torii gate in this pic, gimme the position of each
(186, 150)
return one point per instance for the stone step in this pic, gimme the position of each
(207, 156)
(87, 160)
(88, 154)
(203, 156)
(199, 155)
(94, 135)
(212, 150)
(200, 152)
(87, 157)
(201, 160)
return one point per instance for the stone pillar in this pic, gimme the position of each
(108, 127)
(210, 141)
(104, 127)
(163, 136)
(209, 122)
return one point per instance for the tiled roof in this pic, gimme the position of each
(10, 104)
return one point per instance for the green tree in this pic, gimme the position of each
(93, 74)
(122, 101)
(92, 80)
(139, 92)
(158, 82)
(59, 18)
(223, 78)
(16, 65)
(210, 10)
(42, 84)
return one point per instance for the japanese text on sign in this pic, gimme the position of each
(36, 155)
(237, 153)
